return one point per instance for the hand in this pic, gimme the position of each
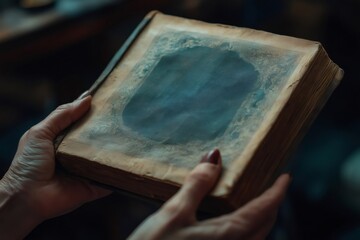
(32, 191)
(177, 220)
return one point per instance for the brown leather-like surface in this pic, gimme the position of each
(149, 124)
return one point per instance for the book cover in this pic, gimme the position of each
(180, 88)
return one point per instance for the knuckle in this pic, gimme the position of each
(62, 107)
(228, 225)
(171, 214)
(232, 227)
(172, 207)
(33, 132)
(199, 178)
(226, 228)
(24, 136)
(175, 210)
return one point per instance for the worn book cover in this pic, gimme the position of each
(179, 88)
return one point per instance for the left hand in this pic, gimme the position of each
(32, 183)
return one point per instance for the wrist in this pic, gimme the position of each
(15, 210)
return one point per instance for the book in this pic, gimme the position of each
(179, 88)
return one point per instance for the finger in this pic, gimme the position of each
(264, 230)
(197, 184)
(259, 214)
(64, 116)
(252, 221)
(68, 193)
(82, 191)
(267, 202)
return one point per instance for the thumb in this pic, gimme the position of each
(64, 116)
(197, 184)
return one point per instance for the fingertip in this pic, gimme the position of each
(81, 106)
(210, 165)
(284, 180)
(64, 115)
(199, 182)
(262, 209)
(273, 196)
(276, 193)
(87, 99)
(213, 157)
(83, 95)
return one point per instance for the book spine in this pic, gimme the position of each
(112, 64)
(121, 52)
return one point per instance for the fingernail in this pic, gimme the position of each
(213, 157)
(83, 95)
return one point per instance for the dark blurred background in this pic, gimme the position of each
(50, 54)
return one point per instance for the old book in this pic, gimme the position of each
(179, 88)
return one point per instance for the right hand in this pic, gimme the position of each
(177, 219)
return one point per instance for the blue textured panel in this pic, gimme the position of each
(191, 94)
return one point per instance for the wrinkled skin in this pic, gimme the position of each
(32, 186)
(32, 191)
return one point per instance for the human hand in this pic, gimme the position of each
(32, 191)
(176, 218)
